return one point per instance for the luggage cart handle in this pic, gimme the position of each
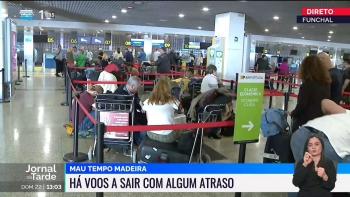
(207, 114)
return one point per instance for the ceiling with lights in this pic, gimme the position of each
(276, 18)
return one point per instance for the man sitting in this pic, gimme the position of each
(334, 129)
(86, 99)
(131, 88)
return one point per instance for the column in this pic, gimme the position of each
(111, 45)
(230, 27)
(333, 55)
(147, 46)
(28, 47)
(62, 39)
(3, 6)
(246, 53)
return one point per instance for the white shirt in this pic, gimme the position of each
(106, 76)
(209, 82)
(89, 55)
(117, 55)
(156, 55)
(160, 115)
(337, 128)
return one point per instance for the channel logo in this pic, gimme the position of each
(251, 77)
(242, 77)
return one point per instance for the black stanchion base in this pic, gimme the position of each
(19, 81)
(64, 104)
(17, 84)
(69, 157)
(4, 101)
(26, 76)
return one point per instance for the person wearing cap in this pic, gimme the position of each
(87, 99)
(163, 62)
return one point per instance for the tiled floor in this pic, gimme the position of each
(32, 132)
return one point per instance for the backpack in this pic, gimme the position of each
(175, 89)
(273, 122)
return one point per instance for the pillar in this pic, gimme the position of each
(62, 40)
(4, 14)
(246, 52)
(147, 46)
(230, 26)
(28, 48)
(110, 47)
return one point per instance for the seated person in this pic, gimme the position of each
(333, 130)
(315, 174)
(160, 109)
(183, 82)
(106, 76)
(131, 88)
(131, 70)
(87, 99)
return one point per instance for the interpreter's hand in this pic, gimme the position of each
(320, 172)
(307, 159)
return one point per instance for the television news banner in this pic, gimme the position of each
(219, 177)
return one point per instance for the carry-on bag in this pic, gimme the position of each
(278, 150)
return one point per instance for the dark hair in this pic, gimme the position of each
(347, 61)
(314, 69)
(285, 60)
(321, 162)
(210, 69)
(263, 56)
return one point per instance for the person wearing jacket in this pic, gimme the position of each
(80, 59)
(128, 56)
(163, 62)
(141, 57)
(173, 59)
(59, 60)
(69, 55)
(282, 72)
(117, 54)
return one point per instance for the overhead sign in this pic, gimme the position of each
(84, 40)
(108, 38)
(51, 36)
(167, 42)
(266, 51)
(74, 37)
(97, 40)
(330, 56)
(187, 43)
(307, 54)
(26, 15)
(127, 41)
(249, 104)
(278, 52)
(136, 42)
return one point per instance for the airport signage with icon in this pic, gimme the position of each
(84, 40)
(50, 40)
(108, 38)
(97, 40)
(73, 41)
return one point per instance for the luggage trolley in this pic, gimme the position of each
(115, 110)
(208, 115)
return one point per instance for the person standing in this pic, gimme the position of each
(128, 56)
(156, 54)
(141, 57)
(100, 54)
(163, 62)
(336, 76)
(59, 60)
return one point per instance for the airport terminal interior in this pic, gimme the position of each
(33, 119)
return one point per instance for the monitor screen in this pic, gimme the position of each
(346, 56)
(20, 37)
(194, 45)
(84, 40)
(97, 40)
(39, 38)
(204, 45)
(259, 49)
(312, 52)
(293, 52)
(137, 42)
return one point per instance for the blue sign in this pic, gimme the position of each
(28, 40)
(84, 40)
(158, 44)
(137, 42)
(97, 40)
(26, 15)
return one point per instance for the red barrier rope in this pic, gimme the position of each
(108, 82)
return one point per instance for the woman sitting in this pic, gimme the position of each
(108, 76)
(105, 61)
(160, 109)
(131, 70)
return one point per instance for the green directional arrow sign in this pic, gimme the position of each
(219, 54)
(248, 107)
(212, 52)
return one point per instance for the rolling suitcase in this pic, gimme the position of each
(278, 150)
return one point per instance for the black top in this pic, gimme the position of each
(346, 75)
(129, 57)
(336, 85)
(163, 63)
(122, 90)
(104, 63)
(310, 184)
(100, 54)
(308, 106)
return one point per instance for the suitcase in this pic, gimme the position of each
(278, 150)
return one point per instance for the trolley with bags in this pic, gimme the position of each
(115, 110)
(188, 147)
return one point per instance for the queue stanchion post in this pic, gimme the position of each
(270, 102)
(66, 103)
(4, 87)
(294, 81)
(25, 69)
(290, 79)
(101, 128)
(236, 86)
(18, 74)
(69, 95)
(286, 100)
(75, 156)
(241, 159)
(231, 84)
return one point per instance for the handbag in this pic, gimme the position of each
(54, 57)
(208, 98)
